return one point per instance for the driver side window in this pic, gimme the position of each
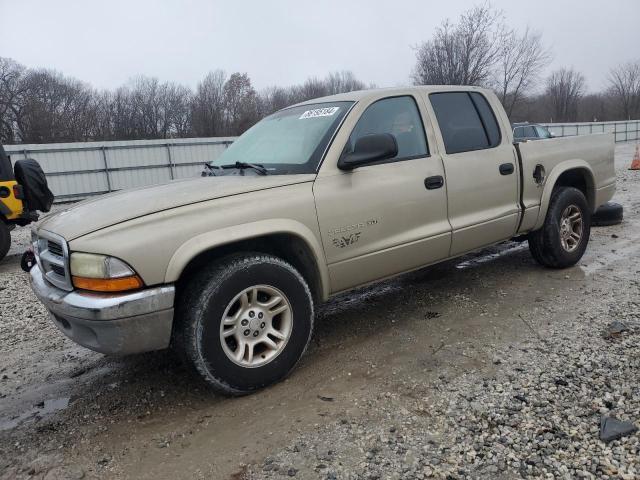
(398, 116)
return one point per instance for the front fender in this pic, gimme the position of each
(552, 179)
(216, 238)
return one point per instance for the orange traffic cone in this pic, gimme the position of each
(635, 163)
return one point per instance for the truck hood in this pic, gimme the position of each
(100, 212)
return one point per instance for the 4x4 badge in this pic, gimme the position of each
(342, 242)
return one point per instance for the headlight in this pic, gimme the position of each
(102, 273)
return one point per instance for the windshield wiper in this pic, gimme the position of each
(239, 165)
(244, 165)
(212, 170)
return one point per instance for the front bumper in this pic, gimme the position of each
(118, 324)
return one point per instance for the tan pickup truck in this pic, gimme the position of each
(316, 199)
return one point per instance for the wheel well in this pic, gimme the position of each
(288, 247)
(581, 179)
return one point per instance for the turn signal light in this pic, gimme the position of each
(108, 284)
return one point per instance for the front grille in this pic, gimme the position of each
(58, 270)
(53, 258)
(55, 249)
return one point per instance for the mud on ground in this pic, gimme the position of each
(484, 367)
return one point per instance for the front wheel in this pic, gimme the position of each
(563, 238)
(5, 239)
(244, 322)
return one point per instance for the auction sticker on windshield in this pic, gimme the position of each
(319, 112)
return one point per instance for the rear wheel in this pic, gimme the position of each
(5, 239)
(244, 322)
(563, 238)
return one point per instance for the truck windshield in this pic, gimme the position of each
(292, 140)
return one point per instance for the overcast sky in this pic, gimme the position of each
(282, 42)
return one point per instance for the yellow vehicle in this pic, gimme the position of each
(22, 193)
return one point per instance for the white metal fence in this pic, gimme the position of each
(623, 131)
(79, 170)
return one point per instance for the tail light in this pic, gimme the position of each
(18, 192)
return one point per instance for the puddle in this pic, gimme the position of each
(353, 298)
(489, 257)
(45, 408)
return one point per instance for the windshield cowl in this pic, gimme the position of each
(238, 166)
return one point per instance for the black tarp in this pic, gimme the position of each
(29, 174)
(6, 172)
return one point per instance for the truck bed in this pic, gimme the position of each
(592, 154)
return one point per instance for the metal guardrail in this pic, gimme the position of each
(80, 170)
(625, 131)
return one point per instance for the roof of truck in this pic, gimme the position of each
(358, 95)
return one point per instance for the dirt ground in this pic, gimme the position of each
(405, 379)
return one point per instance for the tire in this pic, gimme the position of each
(216, 292)
(608, 214)
(5, 239)
(547, 245)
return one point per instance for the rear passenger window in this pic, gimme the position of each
(466, 121)
(488, 118)
(398, 116)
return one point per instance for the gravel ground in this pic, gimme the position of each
(537, 416)
(21, 236)
(484, 367)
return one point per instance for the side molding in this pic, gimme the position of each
(207, 241)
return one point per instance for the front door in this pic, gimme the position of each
(381, 219)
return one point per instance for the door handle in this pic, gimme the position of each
(506, 169)
(434, 182)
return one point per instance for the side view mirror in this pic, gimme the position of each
(368, 149)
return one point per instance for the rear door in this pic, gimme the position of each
(481, 170)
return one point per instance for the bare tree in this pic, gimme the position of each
(313, 87)
(565, 88)
(463, 53)
(624, 83)
(595, 107)
(12, 89)
(123, 115)
(52, 108)
(240, 103)
(39, 106)
(147, 108)
(275, 98)
(44, 106)
(178, 104)
(104, 119)
(207, 106)
(521, 59)
(342, 82)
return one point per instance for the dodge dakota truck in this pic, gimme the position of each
(318, 198)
